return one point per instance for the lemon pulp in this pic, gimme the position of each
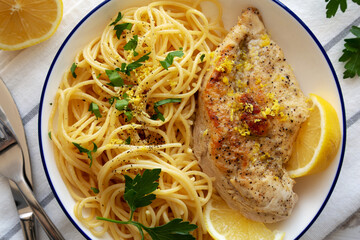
(224, 223)
(24, 23)
(317, 142)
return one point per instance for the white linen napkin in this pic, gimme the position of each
(24, 73)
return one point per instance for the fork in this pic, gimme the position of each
(12, 167)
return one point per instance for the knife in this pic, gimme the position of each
(26, 215)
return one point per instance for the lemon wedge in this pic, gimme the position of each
(24, 23)
(223, 223)
(317, 142)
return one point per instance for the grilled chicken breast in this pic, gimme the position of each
(250, 110)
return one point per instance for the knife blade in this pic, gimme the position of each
(26, 215)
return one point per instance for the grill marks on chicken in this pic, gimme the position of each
(250, 110)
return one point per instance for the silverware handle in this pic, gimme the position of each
(48, 226)
(28, 227)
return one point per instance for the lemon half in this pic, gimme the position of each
(224, 223)
(317, 142)
(24, 23)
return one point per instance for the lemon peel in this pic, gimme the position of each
(223, 223)
(317, 142)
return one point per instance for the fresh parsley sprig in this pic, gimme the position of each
(332, 7)
(351, 54)
(87, 151)
(351, 51)
(138, 193)
(176, 229)
(158, 114)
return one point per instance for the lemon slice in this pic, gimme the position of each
(317, 142)
(224, 223)
(24, 23)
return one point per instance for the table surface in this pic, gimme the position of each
(349, 229)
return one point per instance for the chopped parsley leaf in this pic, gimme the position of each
(202, 57)
(170, 58)
(120, 28)
(118, 18)
(95, 190)
(72, 69)
(128, 115)
(132, 44)
(121, 104)
(87, 151)
(115, 78)
(165, 101)
(112, 100)
(128, 141)
(158, 114)
(126, 96)
(127, 68)
(94, 108)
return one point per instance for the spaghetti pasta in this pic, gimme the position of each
(124, 136)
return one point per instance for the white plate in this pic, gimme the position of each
(303, 51)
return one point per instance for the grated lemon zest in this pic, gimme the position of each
(248, 108)
(205, 132)
(225, 80)
(243, 130)
(226, 66)
(248, 66)
(265, 40)
(115, 141)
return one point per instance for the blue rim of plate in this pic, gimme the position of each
(342, 112)
(280, 4)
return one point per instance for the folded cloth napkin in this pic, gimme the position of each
(24, 72)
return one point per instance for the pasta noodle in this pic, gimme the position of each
(130, 144)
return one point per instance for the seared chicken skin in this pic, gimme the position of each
(250, 110)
